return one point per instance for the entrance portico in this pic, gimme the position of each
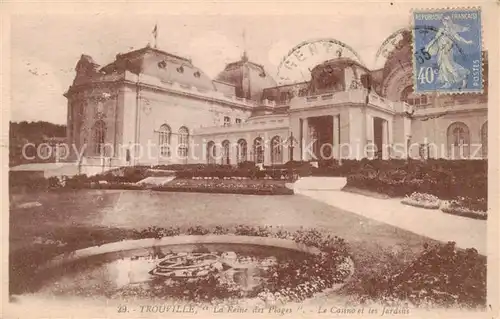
(347, 130)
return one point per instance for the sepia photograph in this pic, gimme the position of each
(290, 160)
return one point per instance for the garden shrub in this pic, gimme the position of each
(443, 275)
(197, 230)
(246, 164)
(446, 179)
(54, 182)
(78, 182)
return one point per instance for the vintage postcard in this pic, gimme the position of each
(260, 160)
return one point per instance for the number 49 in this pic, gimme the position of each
(426, 75)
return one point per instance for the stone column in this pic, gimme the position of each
(356, 130)
(390, 137)
(295, 127)
(69, 121)
(267, 150)
(285, 149)
(336, 136)
(305, 139)
(369, 136)
(385, 137)
(233, 152)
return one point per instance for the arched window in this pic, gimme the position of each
(211, 152)
(164, 134)
(183, 143)
(242, 151)
(98, 137)
(258, 150)
(408, 96)
(225, 153)
(276, 150)
(484, 140)
(458, 140)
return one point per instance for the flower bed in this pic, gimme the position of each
(422, 200)
(467, 208)
(225, 186)
(230, 172)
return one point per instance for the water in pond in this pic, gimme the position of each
(178, 275)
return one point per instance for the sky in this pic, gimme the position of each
(46, 48)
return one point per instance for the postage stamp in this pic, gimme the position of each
(449, 59)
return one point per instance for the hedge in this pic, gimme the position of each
(446, 179)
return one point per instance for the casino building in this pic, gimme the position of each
(151, 107)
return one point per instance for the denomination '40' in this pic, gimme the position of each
(426, 74)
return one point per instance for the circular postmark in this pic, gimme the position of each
(399, 52)
(402, 37)
(297, 65)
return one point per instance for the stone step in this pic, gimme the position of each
(320, 183)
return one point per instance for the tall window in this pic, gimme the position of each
(409, 97)
(164, 134)
(183, 143)
(258, 150)
(242, 151)
(238, 121)
(225, 153)
(276, 150)
(98, 137)
(211, 152)
(484, 140)
(458, 140)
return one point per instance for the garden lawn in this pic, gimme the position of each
(88, 217)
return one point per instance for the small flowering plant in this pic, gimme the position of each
(253, 187)
(422, 200)
(467, 207)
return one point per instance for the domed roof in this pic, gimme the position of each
(331, 75)
(341, 62)
(249, 78)
(165, 66)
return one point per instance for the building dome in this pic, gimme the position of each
(249, 78)
(337, 74)
(162, 65)
(400, 55)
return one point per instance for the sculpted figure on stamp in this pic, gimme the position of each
(448, 60)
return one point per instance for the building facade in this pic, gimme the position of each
(150, 107)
